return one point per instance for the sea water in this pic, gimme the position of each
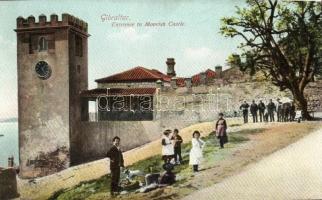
(9, 143)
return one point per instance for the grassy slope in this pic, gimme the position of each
(100, 187)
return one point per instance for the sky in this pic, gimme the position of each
(196, 46)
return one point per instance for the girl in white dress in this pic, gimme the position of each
(196, 151)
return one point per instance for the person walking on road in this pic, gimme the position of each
(220, 128)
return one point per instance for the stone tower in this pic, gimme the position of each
(52, 70)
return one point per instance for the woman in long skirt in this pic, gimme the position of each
(221, 127)
(196, 151)
(167, 147)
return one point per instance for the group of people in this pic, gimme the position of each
(171, 144)
(171, 151)
(284, 111)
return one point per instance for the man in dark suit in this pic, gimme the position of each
(271, 108)
(244, 107)
(253, 111)
(116, 163)
(261, 108)
(279, 110)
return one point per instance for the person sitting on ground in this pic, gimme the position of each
(168, 177)
(167, 147)
(177, 146)
(195, 155)
(221, 127)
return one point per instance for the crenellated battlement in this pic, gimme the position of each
(67, 20)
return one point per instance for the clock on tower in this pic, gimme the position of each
(43, 70)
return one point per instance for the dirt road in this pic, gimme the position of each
(294, 172)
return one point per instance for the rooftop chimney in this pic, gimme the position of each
(170, 70)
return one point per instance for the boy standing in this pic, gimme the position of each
(177, 146)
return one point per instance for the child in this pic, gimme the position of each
(196, 151)
(167, 147)
(177, 146)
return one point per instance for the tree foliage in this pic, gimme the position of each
(281, 39)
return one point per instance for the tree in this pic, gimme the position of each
(281, 39)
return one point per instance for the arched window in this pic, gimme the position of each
(42, 44)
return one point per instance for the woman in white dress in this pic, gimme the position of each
(196, 151)
(167, 147)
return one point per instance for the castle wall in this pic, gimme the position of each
(313, 93)
(96, 137)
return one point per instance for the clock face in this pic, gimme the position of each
(43, 70)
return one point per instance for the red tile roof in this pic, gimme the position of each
(181, 82)
(136, 74)
(162, 75)
(117, 91)
(210, 74)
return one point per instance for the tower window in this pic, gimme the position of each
(42, 44)
(78, 46)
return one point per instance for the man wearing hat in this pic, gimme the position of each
(116, 163)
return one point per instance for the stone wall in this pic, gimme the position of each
(96, 137)
(8, 184)
(313, 93)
